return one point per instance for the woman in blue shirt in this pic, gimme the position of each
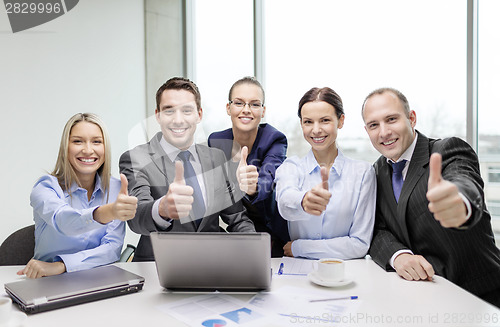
(79, 209)
(327, 198)
(254, 151)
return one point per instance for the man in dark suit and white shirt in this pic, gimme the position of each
(431, 215)
(180, 186)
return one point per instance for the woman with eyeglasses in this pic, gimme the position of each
(327, 198)
(79, 209)
(254, 150)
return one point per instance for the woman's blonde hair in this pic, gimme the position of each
(64, 171)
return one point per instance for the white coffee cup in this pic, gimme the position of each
(5, 310)
(330, 269)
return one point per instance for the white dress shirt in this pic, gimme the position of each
(345, 229)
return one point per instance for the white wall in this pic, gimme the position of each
(89, 60)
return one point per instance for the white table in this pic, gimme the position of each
(386, 300)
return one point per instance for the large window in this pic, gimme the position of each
(416, 46)
(403, 44)
(494, 208)
(355, 47)
(488, 108)
(494, 174)
(223, 53)
(488, 78)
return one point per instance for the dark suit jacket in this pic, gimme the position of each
(468, 257)
(149, 172)
(268, 153)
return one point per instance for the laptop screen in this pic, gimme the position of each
(213, 261)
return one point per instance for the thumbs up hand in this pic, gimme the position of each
(178, 201)
(179, 173)
(444, 201)
(247, 175)
(124, 185)
(435, 177)
(125, 206)
(315, 201)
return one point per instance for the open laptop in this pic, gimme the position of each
(53, 292)
(213, 261)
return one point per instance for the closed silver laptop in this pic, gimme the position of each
(53, 292)
(213, 261)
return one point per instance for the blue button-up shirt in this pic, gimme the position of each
(65, 229)
(344, 230)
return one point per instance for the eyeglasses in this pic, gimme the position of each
(240, 104)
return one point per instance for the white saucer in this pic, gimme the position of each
(316, 280)
(17, 319)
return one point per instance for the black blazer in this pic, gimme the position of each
(149, 172)
(468, 257)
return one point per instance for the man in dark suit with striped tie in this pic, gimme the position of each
(431, 216)
(180, 186)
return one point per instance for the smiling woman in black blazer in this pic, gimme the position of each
(255, 150)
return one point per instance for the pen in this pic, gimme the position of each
(280, 271)
(355, 297)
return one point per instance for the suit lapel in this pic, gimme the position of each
(418, 164)
(160, 158)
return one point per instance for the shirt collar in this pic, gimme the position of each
(311, 163)
(98, 186)
(173, 151)
(408, 153)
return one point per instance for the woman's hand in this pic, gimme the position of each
(287, 249)
(37, 269)
(247, 175)
(125, 206)
(315, 201)
(122, 209)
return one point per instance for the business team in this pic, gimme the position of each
(420, 209)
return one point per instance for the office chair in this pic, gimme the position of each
(19, 247)
(127, 254)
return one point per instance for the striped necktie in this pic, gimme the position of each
(198, 207)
